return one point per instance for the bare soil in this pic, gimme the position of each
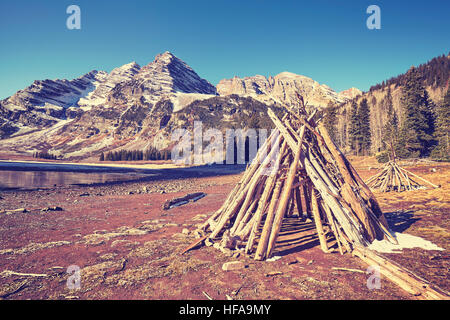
(128, 247)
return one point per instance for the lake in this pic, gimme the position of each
(21, 175)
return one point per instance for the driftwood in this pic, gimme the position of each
(404, 278)
(176, 202)
(392, 177)
(307, 164)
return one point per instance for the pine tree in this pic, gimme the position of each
(417, 126)
(330, 121)
(364, 129)
(390, 131)
(353, 131)
(442, 132)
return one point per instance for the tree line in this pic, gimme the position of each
(423, 131)
(44, 155)
(136, 155)
(435, 72)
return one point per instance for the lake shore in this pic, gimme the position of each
(128, 247)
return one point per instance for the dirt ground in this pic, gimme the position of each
(126, 246)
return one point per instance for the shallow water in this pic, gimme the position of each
(47, 179)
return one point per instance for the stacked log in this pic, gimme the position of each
(300, 167)
(392, 177)
(299, 162)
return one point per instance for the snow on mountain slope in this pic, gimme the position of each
(117, 75)
(283, 88)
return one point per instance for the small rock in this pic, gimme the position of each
(85, 194)
(145, 189)
(236, 254)
(233, 265)
(274, 258)
(185, 231)
(310, 262)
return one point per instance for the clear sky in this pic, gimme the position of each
(326, 40)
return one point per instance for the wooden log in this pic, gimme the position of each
(194, 244)
(248, 215)
(253, 183)
(287, 191)
(332, 223)
(265, 234)
(351, 176)
(320, 170)
(298, 199)
(238, 205)
(406, 279)
(351, 226)
(420, 178)
(270, 184)
(318, 223)
(307, 190)
(369, 225)
(279, 125)
(243, 183)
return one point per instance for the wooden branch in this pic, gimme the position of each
(286, 193)
(319, 227)
(404, 278)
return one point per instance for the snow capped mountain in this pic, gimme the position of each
(164, 77)
(117, 75)
(134, 107)
(350, 93)
(282, 88)
(100, 109)
(60, 93)
(46, 102)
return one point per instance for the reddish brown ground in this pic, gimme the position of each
(128, 247)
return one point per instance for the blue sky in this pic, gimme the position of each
(326, 40)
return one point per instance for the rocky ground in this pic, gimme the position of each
(127, 247)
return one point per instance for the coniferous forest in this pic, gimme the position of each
(136, 155)
(419, 128)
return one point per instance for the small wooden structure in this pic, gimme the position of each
(299, 168)
(392, 177)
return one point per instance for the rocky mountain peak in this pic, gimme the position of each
(282, 88)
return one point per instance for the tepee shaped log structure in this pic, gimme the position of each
(300, 167)
(392, 177)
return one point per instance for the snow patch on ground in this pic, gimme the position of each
(405, 241)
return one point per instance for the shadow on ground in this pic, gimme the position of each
(400, 221)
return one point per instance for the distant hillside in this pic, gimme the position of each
(434, 77)
(435, 73)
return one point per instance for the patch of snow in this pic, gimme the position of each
(405, 241)
(181, 99)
